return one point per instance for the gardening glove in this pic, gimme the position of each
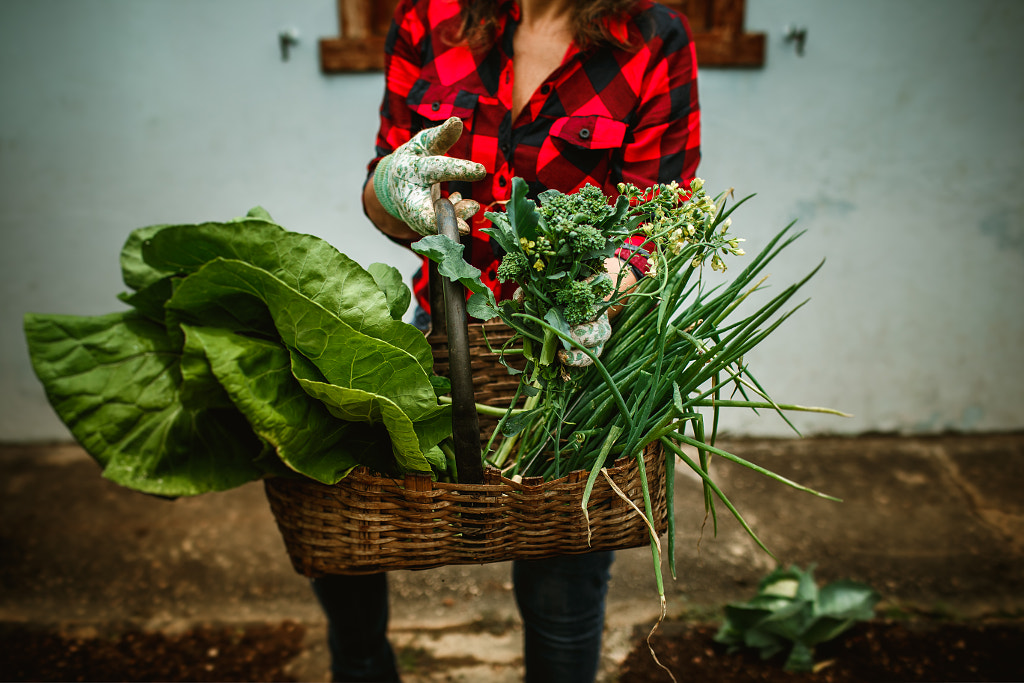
(406, 180)
(591, 335)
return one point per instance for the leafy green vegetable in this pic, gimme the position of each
(306, 264)
(242, 297)
(791, 613)
(256, 374)
(115, 381)
(447, 253)
(250, 351)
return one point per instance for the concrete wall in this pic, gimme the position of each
(895, 140)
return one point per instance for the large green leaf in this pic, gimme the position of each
(346, 357)
(135, 272)
(848, 599)
(447, 254)
(522, 211)
(306, 264)
(257, 375)
(389, 280)
(150, 299)
(114, 380)
(200, 387)
(357, 406)
(840, 605)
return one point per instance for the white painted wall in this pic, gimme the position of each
(895, 140)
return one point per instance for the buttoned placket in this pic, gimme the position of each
(502, 185)
(502, 182)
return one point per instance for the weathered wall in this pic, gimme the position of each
(895, 140)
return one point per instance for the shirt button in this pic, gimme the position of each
(435, 106)
(505, 147)
(502, 181)
(584, 133)
(545, 89)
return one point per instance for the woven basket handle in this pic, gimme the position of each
(465, 426)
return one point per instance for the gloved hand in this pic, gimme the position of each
(592, 335)
(405, 181)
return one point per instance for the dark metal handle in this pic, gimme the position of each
(465, 426)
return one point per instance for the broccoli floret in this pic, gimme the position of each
(513, 266)
(585, 238)
(561, 210)
(577, 300)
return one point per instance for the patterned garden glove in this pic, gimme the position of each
(592, 335)
(406, 180)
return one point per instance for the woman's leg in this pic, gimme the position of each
(357, 624)
(562, 603)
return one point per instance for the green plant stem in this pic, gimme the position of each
(486, 410)
(730, 403)
(668, 444)
(509, 442)
(757, 468)
(597, 363)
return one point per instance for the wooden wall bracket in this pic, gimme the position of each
(718, 31)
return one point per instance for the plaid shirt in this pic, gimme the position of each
(604, 116)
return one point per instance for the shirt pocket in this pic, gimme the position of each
(590, 132)
(435, 103)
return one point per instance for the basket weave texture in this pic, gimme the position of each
(367, 523)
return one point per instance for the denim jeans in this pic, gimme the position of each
(356, 608)
(561, 601)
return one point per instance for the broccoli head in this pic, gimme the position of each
(585, 238)
(513, 266)
(577, 300)
(564, 211)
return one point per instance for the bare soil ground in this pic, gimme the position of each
(914, 650)
(874, 651)
(258, 653)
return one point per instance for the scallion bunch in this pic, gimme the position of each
(676, 357)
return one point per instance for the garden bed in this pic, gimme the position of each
(873, 651)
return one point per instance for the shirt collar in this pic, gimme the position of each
(618, 26)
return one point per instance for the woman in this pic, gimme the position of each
(561, 93)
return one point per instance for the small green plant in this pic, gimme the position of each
(790, 611)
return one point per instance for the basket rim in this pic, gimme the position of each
(494, 481)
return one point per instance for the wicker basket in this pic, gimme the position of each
(367, 523)
(492, 383)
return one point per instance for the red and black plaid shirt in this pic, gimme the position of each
(605, 115)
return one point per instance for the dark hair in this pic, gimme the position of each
(586, 20)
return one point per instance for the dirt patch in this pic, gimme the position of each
(876, 651)
(253, 653)
(915, 650)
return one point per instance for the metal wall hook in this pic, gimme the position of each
(798, 36)
(287, 38)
